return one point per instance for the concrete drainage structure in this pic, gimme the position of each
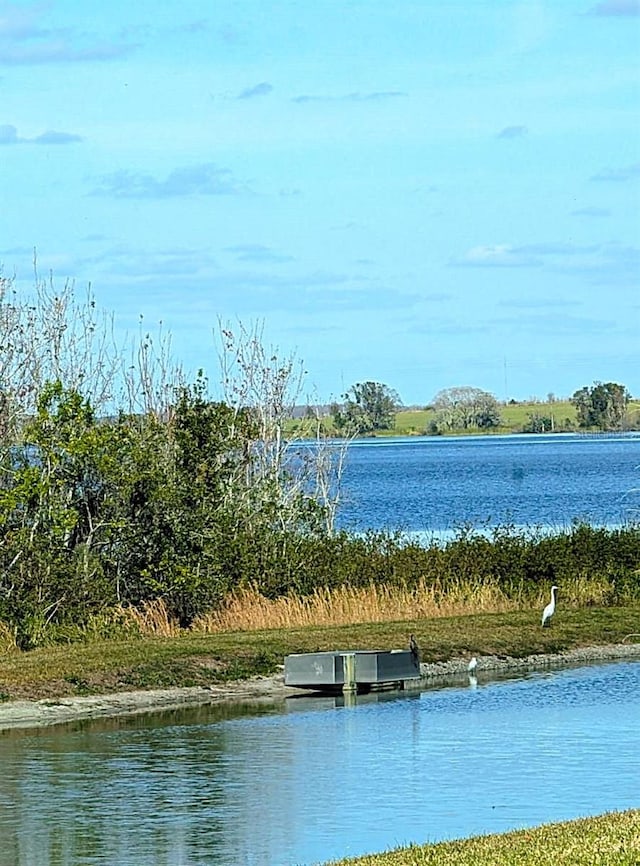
(350, 670)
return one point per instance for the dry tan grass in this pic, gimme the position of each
(247, 609)
(586, 591)
(151, 618)
(7, 639)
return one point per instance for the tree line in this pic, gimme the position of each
(368, 407)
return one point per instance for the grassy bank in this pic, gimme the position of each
(514, 417)
(607, 840)
(188, 659)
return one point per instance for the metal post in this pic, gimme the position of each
(349, 671)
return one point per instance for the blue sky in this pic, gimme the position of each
(424, 194)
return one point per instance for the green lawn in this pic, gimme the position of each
(514, 417)
(606, 840)
(197, 659)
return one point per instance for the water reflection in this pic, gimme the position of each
(316, 779)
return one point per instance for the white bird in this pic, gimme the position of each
(473, 664)
(549, 610)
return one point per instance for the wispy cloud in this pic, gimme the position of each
(124, 261)
(618, 175)
(617, 265)
(521, 256)
(53, 137)
(19, 22)
(24, 40)
(512, 132)
(231, 34)
(205, 180)
(262, 89)
(206, 288)
(537, 303)
(373, 96)
(554, 324)
(496, 256)
(591, 212)
(199, 25)
(257, 253)
(616, 8)
(9, 135)
(59, 51)
(558, 248)
(601, 264)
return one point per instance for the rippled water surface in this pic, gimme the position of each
(313, 780)
(440, 483)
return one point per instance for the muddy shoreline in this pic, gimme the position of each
(43, 713)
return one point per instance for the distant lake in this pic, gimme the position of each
(437, 484)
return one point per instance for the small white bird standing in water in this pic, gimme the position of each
(471, 669)
(549, 610)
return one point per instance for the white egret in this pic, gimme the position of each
(549, 610)
(473, 664)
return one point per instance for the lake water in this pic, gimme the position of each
(437, 484)
(313, 780)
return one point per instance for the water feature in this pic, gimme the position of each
(435, 484)
(312, 781)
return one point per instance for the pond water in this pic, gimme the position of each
(437, 484)
(310, 780)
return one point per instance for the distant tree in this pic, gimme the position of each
(463, 407)
(603, 405)
(367, 406)
(487, 412)
(538, 423)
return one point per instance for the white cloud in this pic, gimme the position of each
(616, 8)
(496, 256)
(618, 175)
(372, 96)
(25, 40)
(262, 89)
(592, 212)
(205, 179)
(512, 132)
(9, 135)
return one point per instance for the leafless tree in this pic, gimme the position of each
(292, 461)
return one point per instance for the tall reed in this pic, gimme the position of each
(151, 618)
(7, 639)
(247, 609)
